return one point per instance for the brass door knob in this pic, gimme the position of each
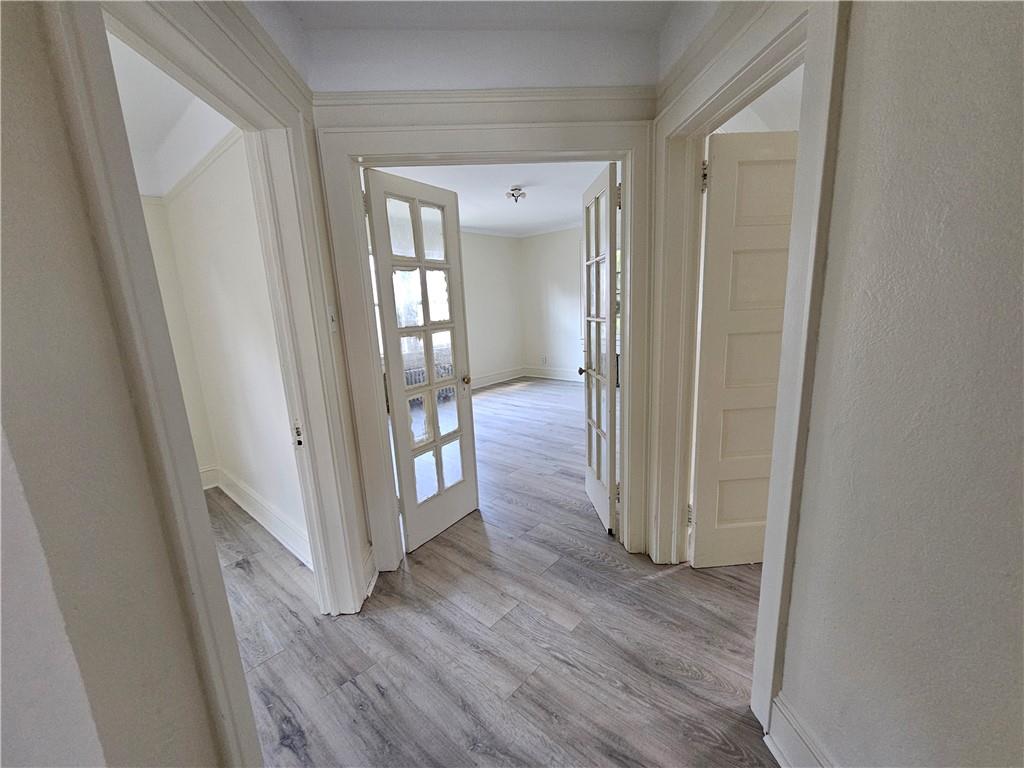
(581, 371)
(466, 379)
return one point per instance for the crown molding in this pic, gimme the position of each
(484, 95)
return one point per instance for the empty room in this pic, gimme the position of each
(512, 383)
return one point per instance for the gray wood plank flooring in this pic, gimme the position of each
(521, 636)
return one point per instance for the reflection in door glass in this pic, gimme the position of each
(413, 361)
(602, 224)
(442, 344)
(408, 297)
(447, 411)
(451, 463)
(433, 233)
(437, 295)
(419, 421)
(426, 476)
(400, 227)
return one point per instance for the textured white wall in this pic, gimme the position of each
(904, 644)
(42, 684)
(72, 428)
(212, 221)
(552, 304)
(162, 246)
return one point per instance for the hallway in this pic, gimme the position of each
(522, 635)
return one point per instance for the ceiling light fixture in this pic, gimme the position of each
(516, 194)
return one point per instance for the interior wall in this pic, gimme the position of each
(71, 425)
(904, 643)
(552, 304)
(492, 277)
(211, 217)
(523, 304)
(158, 228)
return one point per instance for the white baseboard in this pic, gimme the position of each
(789, 740)
(558, 374)
(489, 379)
(293, 539)
(210, 477)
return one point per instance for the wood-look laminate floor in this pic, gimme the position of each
(523, 635)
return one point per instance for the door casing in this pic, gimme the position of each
(346, 152)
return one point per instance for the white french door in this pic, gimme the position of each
(746, 250)
(600, 367)
(423, 322)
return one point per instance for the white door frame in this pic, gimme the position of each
(216, 51)
(770, 46)
(345, 152)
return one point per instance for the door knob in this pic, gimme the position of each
(466, 379)
(580, 371)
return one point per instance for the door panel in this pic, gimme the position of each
(600, 370)
(419, 275)
(750, 200)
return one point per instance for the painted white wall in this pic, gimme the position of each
(161, 243)
(211, 217)
(72, 427)
(43, 686)
(904, 644)
(551, 302)
(523, 303)
(492, 276)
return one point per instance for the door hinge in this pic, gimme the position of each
(298, 433)
(618, 493)
(618, 195)
(704, 170)
(387, 400)
(366, 204)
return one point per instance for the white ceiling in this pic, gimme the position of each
(366, 46)
(777, 109)
(523, 16)
(554, 194)
(169, 128)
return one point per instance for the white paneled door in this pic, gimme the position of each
(600, 366)
(750, 200)
(423, 321)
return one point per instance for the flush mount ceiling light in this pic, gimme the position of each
(516, 194)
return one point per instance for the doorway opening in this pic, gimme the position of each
(193, 169)
(525, 294)
(748, 183)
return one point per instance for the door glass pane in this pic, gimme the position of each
(451, 463)
(408, 297)
(605, 287)
(419, 422)
(602, 352)
(596, 458)
(413, 360)
(437, 295)
(433, 233)
(400, 228)
(601, 465)
(426, 475)
(602, 224)
(598, 404)
(447, 411)
(592, 225)
(442, 343)
(591, 443)
(592, 296)
(592, 348)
